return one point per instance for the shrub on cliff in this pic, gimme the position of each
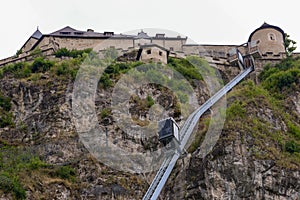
(281, 77)
(64, 52)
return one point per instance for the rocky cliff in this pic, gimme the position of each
(42, 156)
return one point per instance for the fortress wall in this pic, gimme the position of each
(141, 41)
(44, 43)
(208, 50)
(29, 44)
(159, 42)
(169, 44)
(176, 45)
(85, 43)
(73, 43)
(117, 43)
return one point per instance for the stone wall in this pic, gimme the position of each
(29, 44)
(208, 50)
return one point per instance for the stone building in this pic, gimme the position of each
(269, 40)
(265, 44)
(153, 52)
(71, 38)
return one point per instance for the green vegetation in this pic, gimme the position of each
(25, 69)
(66, 68)
(247, 101)
(19, 52)
(292, 147)
(12, 184)
(254, 109)
(186, 68)
(283, 77)
(64, 52)
(105, 112)
(18, 164)
(6, 118)
(15, 162)
(5, 103)
(37, 52)
(66, 172)
(236, 110)
(150, 101)
(289, 45)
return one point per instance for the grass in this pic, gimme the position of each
(254, 111)
(6, 117)
(17, 166)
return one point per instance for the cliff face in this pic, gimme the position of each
(43, 158)
(44, 126)
(250, 159)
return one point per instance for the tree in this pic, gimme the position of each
(289, 45)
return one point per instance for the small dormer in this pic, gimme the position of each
(108, 33)
(160, 35)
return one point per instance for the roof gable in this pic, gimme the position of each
(66, 29)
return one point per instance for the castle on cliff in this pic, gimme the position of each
(265, 44)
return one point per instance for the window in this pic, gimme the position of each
(78, 33)
(149, 51)
(108, 33)
(65, 33)
(172, 48)
(160, 53)
(272, 37)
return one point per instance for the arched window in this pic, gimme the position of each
(272, 37)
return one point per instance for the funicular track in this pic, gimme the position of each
(168, 164)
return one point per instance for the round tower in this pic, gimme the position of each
(269, 39)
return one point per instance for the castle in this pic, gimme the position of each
(265, 44)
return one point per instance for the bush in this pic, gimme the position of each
(292, 147)
(294, 130)
(283, 75)
(105, 113)
(41, 65)
(236, 109)
(5, 103)
(280, 80)
(185, 68)
(6, 119)
(36, 163)
(150, 101)
(64, 52)
(10, 183)
(105, 81)
(65, 172)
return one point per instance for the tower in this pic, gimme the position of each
(270, 41)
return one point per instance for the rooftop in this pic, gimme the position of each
(264, 26)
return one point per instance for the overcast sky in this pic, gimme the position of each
(206, 22)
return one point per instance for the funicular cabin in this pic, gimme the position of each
(168, 133)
